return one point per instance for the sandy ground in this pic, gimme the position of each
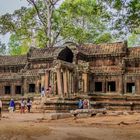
(32, 127)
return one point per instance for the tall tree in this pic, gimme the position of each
(2, 48)
(83, 21)
(45, 15)
(125, 16)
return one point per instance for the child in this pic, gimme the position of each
(22, 104)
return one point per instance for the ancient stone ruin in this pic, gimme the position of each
(69, 70)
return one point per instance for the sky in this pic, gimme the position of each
(8, 6)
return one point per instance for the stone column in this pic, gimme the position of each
(12, 89)
(1, 89)
(105, 84)
(121, 84)
(24, 87)
(46, 79)
(65, 82)
(69, 82)
(59, 82)
(55, 84)
(42, 81)
(124, 83)
(85, 78)
(72, 83)
(37, 86)
(137, 86)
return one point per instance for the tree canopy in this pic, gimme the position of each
(49, 23)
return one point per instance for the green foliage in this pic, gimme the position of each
(81, 20)
(125, 15)
(2, 48)
(134, 40)
(17, 46)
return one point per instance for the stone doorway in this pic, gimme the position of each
(98, 86)
(130, 87)
(31, 88)
(66, 55)
(111, 86)
(7, 89)
(18, 90)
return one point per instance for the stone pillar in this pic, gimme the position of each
(69, 82)
(59, 82)
(1, 89)
(55, 84)
(42, 81)
(12, 89)
(105, 84)
(65, 82)
(121, 84)
(46, 79)
(124, 83)
(137, 86)
(85, 78)
(72, 83)
(24, 86)
(37, 86)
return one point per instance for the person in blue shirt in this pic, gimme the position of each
(80, 104)
(11, 105)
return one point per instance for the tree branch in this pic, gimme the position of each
(37, 10)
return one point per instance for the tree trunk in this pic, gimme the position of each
(49, 23)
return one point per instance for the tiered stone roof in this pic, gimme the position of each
(103, 49)
(106, 70)
(13, 60)
(33, 72)
(9, 76)
(52, 52)
(133, 52)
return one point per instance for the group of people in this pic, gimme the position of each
(45, 92)
(23, 105)
(83, 104)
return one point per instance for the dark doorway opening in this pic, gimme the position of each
(18, 90)
(98, 86)
(31, 88)
(66, 55)
(130, 87)
(111, 86)
(7, 89)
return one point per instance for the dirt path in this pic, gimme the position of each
(32, 127)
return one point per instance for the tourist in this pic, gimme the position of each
(11, 106)
(0, 108)
(22, 106)
(86, 104)
(42, 92)
(29, 104)
(80, 104)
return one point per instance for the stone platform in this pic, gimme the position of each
(56, 104)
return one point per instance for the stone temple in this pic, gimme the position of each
(69, 70)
